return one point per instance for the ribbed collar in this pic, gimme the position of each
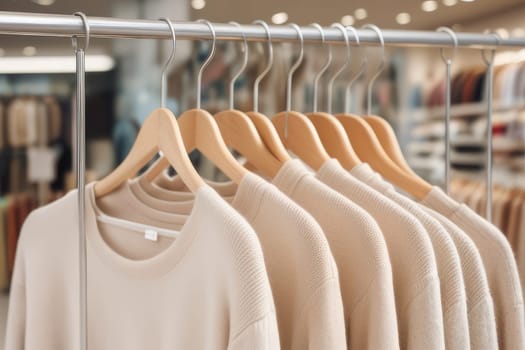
(366, 174)
(290, 175)
(157, 266)
(439, 201)
(245, 198)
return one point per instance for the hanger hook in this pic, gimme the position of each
(343, 66)
(243, 66)
(294, 67)
(163, 83)
(208, 60)
(359, 73)
(454, 42)
(266, 69)
(323, 68)
(489, 60)
(87, 31)
(379, 69)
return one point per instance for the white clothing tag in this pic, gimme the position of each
(41, 164)
(151, 235)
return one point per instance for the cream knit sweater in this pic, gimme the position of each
(300, 266)
(416, 281)
(358, 248)
(499, 264)
(481, 319)
(453, 296)
(207, 289)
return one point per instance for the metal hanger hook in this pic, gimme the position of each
(243, 66)
(343, 66)
(454, 42)
(208, 60)
(323, 68)
(359, 73)
(87, 31)
(266, 69)
(489, 60)
(381, 64)
(294, 67)
(163, 84)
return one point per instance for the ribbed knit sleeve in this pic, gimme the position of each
(260, 335)
(321, 320)
(480, 308)
(16, 321)
(426, 327)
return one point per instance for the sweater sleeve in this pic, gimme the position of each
(16, 322)
(260, 335)
(322, 324)
(423, 320)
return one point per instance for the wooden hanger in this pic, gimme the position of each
(159, 132)
(239, 132)
(388, 140)
(200, 131)
(331, 132)
(296, 131)
(262, 123)
(369, 149)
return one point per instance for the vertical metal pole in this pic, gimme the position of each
(447, 125)
(490, 82)
(489, 61)
(81, 184)
(80, 165)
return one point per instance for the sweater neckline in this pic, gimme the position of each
(159, 264)
(245, 197)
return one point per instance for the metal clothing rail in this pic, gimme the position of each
(21, 23)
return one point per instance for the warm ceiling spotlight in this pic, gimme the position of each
(347, 20)
(280, 18)
(403, 18)
(360, 14)
(44, 2)
(198, 4)
(429, 5)
(450, 2)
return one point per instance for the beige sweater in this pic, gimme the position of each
(416, 281)
(359, 251)
(499, 264)
(453, 296)
(304, 283)
(207, 289)
(481, 319)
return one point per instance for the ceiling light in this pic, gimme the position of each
(403, 18)
(29, 51)
(198, 4)
(450, 2)
(468, 0)
(429, 5)
(280, 18)
(360, 14)
(503, 33)
(2, 52)
(347, 20)
(518, 32)
(53, 64)
(44, 2)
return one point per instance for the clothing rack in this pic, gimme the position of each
(57, 25)
(20, 23)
